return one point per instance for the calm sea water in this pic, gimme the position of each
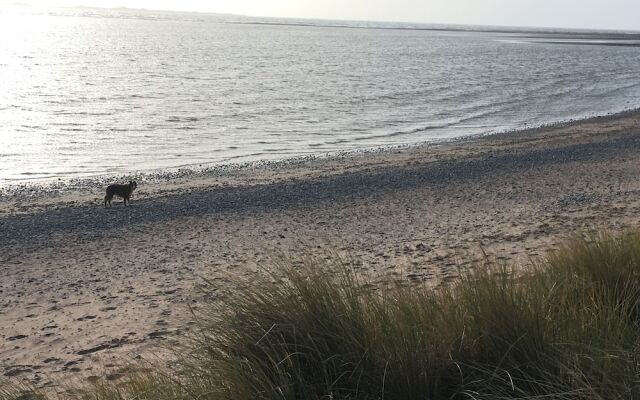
(89, 92)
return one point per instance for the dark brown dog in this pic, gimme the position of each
(123, 191)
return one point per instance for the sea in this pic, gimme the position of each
(89, 92)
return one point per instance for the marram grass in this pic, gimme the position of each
(568, 328)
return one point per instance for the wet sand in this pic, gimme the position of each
(85, 289)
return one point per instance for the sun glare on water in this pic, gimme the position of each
(24, 38)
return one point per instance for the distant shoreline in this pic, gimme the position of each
(330, 23)
(548, 33)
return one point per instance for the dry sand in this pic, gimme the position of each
(84, 289)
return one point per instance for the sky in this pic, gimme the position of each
(588, 14)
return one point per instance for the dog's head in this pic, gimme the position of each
(133, 184)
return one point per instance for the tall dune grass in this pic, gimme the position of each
(568, 328)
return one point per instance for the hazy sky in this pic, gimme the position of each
(614, 14)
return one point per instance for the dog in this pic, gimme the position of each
(123, 191)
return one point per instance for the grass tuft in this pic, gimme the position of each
(568, 328)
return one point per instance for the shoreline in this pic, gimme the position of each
(34, 191)
(87, 289)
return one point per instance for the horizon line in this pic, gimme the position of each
(435, 26)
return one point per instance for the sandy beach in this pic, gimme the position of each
(86, 290)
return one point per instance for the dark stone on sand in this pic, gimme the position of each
(158, 334)
(104, 346)
(17, 370)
